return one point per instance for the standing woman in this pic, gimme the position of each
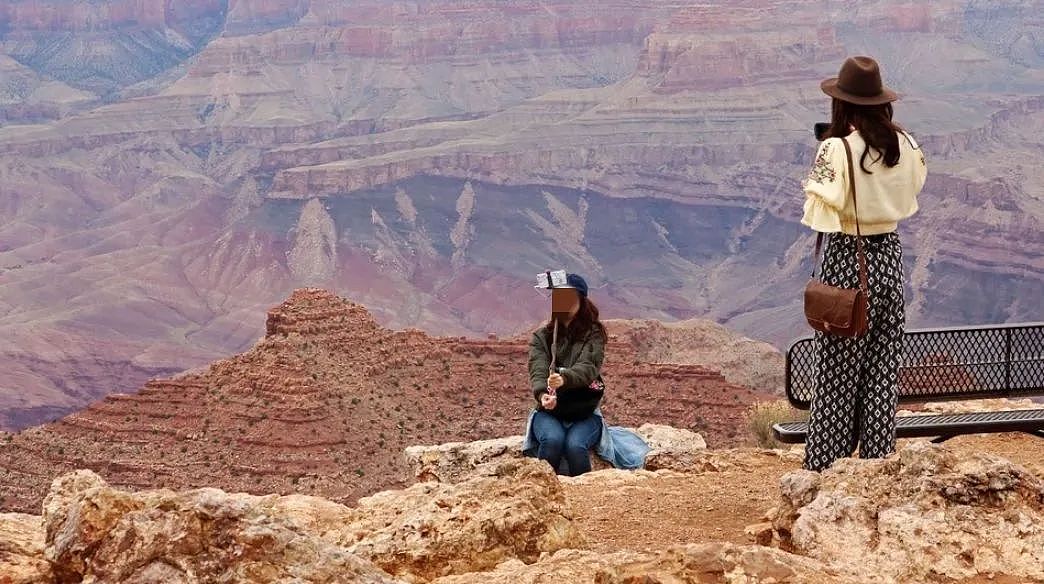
(857, 377)
(567, 424)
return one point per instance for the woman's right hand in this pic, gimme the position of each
(548, 401)
(555, 381)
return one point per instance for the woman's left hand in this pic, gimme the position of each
(555, 381)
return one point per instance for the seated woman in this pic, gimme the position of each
(567, 424)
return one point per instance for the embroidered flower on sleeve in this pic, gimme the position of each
(923, 163)
(822, 172)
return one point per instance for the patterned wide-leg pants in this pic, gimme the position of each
(857, 378)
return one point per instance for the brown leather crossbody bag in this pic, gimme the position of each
(833, 310)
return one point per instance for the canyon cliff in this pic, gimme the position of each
(169, 170)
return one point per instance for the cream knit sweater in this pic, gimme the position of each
(886, 197)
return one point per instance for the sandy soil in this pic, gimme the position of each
(717, 506)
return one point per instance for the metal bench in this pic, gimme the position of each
(941, 364)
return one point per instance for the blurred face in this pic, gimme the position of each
(565, 302)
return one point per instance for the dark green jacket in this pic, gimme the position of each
(581, 361)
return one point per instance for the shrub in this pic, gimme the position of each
(763, 415)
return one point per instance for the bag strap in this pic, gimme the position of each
(860, 253)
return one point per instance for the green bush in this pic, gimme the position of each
(763, 415)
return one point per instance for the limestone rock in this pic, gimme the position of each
(921, 515)
(672, 449)
(78, 513)
(22, 550)
(714, 562)
(701, 461)
(452, 462)
(761, 533)
(508, 509)
(96, 533)
(614, 478)
(660, 437)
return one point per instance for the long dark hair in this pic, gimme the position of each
(584, 322)
(875, 125)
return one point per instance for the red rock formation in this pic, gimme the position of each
(327, 402)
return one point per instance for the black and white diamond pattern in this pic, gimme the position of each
(857, 378)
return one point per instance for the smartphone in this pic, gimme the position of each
(820, 130)
(551, 279)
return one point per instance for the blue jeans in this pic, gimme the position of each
(574, 442)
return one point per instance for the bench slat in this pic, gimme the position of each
(922, 426)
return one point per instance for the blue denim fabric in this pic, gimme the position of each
(573, 441)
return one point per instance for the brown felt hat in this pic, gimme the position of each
(859, 82)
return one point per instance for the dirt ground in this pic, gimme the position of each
(714, 506)
(717, 506)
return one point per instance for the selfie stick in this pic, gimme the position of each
(554, 347)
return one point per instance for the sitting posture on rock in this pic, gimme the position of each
(565, 362)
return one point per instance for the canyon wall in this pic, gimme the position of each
(426, 158)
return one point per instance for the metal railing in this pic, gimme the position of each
(941, 364)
